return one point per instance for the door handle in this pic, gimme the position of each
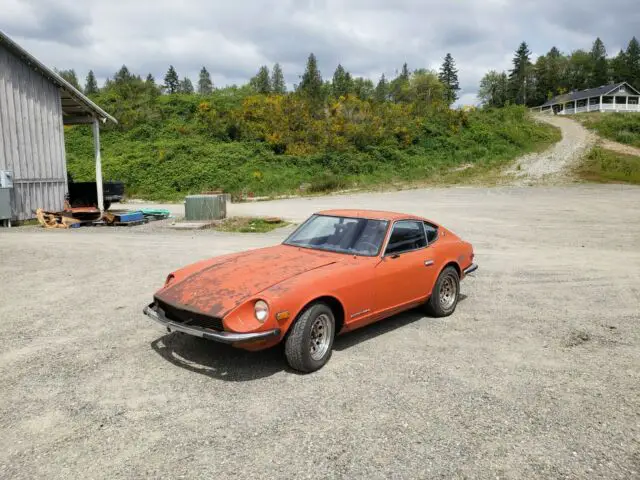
(428, 263)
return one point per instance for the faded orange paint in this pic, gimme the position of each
(289, 278)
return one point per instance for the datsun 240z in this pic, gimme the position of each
(338, 271)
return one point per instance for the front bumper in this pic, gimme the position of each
(223, 337)
(470, 269)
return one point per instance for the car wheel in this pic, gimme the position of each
(444, 298)
(309, 343)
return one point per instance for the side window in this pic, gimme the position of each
(406, 235)
(432, 232)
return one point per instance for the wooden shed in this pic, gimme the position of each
(35, 103)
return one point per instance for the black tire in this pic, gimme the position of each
(448, 281)
(298, 346)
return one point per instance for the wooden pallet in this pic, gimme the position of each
(132, 223)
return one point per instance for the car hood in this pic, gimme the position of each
(216, 286)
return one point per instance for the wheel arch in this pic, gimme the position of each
(453, 264)
(333, 302)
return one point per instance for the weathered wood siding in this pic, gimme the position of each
(31, 137)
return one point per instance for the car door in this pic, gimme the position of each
(405, 272)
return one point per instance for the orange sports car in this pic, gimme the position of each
(338, 271)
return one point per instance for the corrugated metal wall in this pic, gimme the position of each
(31, 137)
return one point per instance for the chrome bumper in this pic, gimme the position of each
(470, 269)
(222, 337)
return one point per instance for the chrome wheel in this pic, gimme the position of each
(448, 292)
(320, 337)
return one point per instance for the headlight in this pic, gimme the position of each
(261, 310)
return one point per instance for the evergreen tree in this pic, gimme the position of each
(449, 78)
(342, 83)
(186, 86)
(632, 61)
(399, 88)
(123, 75)
(91, 85)
(520, 76)
(278, 84)
(382, 90)
(71, 77)
(579, 69)
(311, 82)
(205, 85)
(618, 67)
(600, 69)
(261, 83)
(171, 81)
(150, 80)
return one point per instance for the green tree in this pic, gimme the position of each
(382, 90)
(171, 81)
(426, 89)
(261, 83)
(278, 84)
(91, 85)
(311, 85)
(342, 83)
(600, 68)
(399, 87)
(363, 88)
(150, 80)
(618, 67)
(493, 91)
(205, 85)
(520, 84)
(449, 77)
(186, 86)
(579, 68)
(123, 75)
(71, 77)
(632, 61)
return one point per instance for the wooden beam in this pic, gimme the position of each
(76, 120)
(96, 142)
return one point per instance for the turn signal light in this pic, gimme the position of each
(282, 316)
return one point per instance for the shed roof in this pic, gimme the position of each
(584, 94)
(76, 107)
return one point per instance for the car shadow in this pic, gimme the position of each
(223, 362)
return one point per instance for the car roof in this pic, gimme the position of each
(373, 214)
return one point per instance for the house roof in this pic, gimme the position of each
(583, 94)
(76, 107)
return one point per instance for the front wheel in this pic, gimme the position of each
(308, 346)
(444, 298)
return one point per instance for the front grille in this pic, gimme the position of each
(190, 318)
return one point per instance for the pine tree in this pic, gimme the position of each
(311, 82)
(150, 80)
(171, 81)
(342, 83)
(205, 85)
(71, 77)
(449, 77)
(261, 83)
(404, 75)
(632, 61)
(600, 69)
(399, 87)
(91, 85)
(278, 84)
(362, 88)
(520, 76)
(382, 90)
(186, 86)
(618, 66)
(123, 75)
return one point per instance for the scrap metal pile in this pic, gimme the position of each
(73, 217)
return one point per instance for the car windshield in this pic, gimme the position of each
(357, 236)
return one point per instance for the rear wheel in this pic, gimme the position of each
(309, 344)
(444, 298)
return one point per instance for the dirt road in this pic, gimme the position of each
(536, 375)
(554, 164)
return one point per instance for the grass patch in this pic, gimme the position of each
(606, 166)
(619, 127)
(249, 224)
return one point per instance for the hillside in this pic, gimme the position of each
(618, 127)
(167, 146)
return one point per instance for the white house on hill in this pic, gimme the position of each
(617, 97)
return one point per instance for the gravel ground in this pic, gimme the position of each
(536, 375)
(554, 164)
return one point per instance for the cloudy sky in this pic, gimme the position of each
(369, 37)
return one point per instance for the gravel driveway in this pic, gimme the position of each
(536, 375)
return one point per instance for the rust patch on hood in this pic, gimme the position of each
(218, 287)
